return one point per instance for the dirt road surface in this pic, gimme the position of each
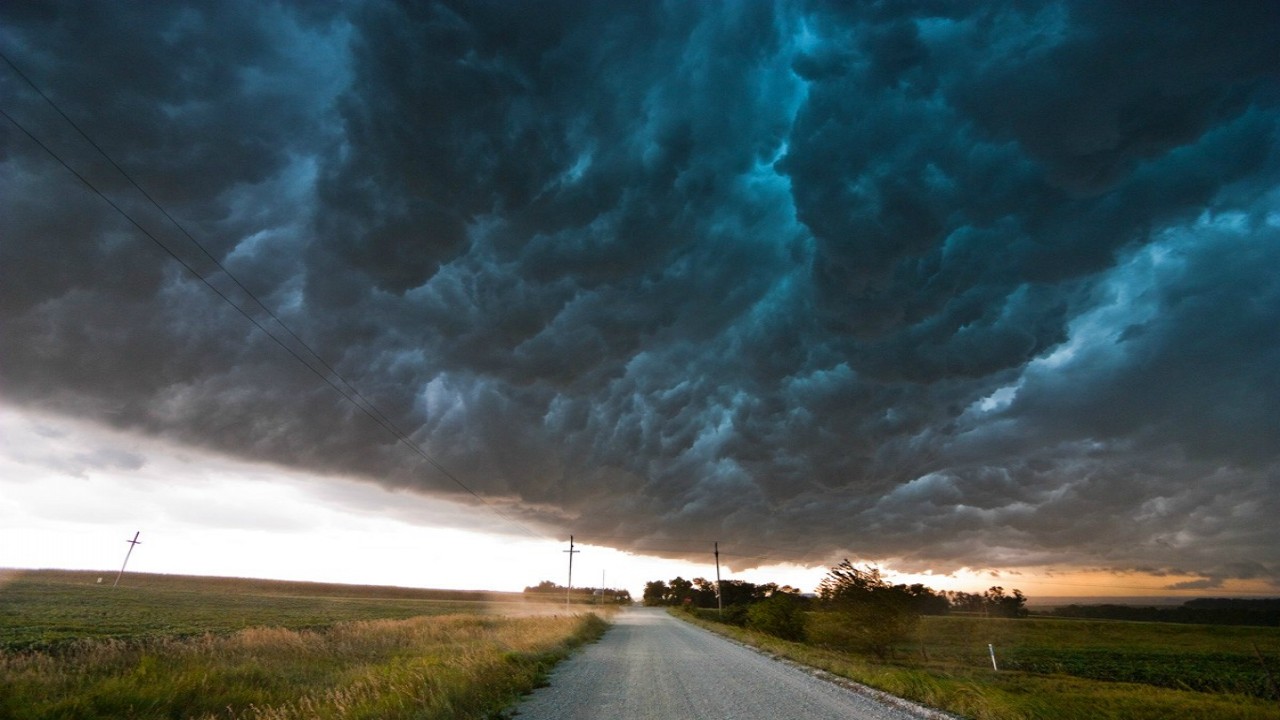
(651, 665)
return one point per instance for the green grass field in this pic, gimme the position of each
(43, 609)
(1057, 669)
(167, 646)
(1204, 658)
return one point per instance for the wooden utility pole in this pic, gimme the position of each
(569, 590)
(719, 596)
(132, 543)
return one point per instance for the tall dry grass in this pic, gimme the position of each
(426, 667)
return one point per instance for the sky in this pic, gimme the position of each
(985, 293)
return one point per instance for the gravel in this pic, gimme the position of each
(651, 665)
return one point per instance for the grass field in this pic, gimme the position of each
(165, 647)
(1055, 669)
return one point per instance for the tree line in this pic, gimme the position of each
(1201, 611)
(840, 582)
(551, 591)
(701, 593)
(854, 607)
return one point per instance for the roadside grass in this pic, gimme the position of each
(957, 677)
(442, 659)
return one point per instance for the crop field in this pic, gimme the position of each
(165, 646)
(1204, 658)
(1060, 669)
(46, 608)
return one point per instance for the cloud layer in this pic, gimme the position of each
(983, 286)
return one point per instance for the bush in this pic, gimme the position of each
(736, 615)
(780, 615)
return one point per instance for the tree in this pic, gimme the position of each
(740, 592)
(655, 593)
(1001, 605)
(705, 594)
(681, 591)
(862, 611)
(965, 602)
(847, 582)
(926, 601)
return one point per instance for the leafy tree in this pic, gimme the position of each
(993, 602)
(704, 595)
(847, 582)
(656, 592)
(681, 591)
(740, 592)
(863, 611)
(1001, 605)
(966, 602)
(926, 600)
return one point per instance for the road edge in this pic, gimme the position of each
(924, 712)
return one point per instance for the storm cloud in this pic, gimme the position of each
(942, 284)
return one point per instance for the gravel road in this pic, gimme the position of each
(651, 665)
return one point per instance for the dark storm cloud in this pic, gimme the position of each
(950, 286)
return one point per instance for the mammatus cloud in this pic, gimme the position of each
(976, 286)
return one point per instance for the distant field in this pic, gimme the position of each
(1058, 669)
(48, 607)
(169, 646)
(1204, 658)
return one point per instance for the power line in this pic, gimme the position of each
(218, 264)
(350, 396)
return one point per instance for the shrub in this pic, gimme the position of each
(781, 614)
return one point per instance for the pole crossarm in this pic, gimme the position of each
(132, 544)
(568, 591)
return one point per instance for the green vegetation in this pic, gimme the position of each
(932, 647)
(863, 612)
(780, 615)
(857, 609)
(1202, 611)
(47, 608)
(548, 591)
(1058, 669)
(208, 648)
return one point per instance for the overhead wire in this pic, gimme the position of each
(181, 228)
(351, 395)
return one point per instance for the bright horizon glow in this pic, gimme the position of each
(207, 515)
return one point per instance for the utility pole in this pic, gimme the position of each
(132, 543)
(602, 587)
(719, 596)
(569, 590)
